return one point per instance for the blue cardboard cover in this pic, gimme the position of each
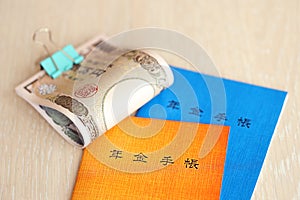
(251, 111)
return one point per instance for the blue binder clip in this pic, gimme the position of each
(62, 60)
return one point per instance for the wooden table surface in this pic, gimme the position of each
(253, 41)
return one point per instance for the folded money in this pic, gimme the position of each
(109, 85)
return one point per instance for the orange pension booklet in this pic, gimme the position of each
(142, 158)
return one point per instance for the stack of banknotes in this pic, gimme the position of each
(86, 101)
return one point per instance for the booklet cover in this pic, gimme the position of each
(251, 111)
(144, 158)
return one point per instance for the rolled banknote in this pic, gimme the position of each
(92, 97)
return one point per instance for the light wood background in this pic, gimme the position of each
(254, 41)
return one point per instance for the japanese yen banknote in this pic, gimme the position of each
(109, 85)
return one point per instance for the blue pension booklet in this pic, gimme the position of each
(251, 112)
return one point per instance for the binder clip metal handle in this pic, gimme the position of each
(60, 61)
